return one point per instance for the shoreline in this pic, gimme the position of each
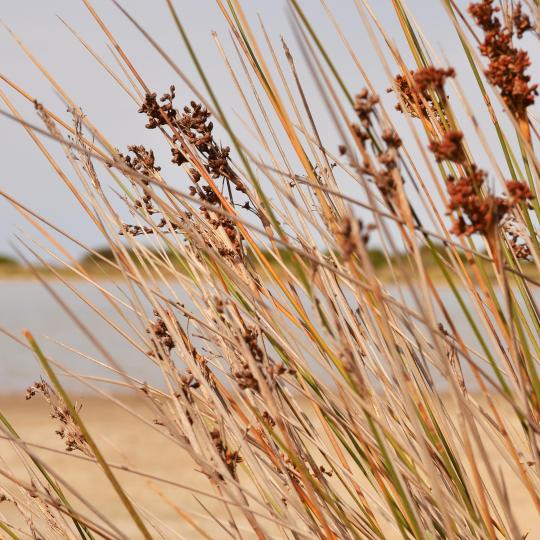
(27, 276)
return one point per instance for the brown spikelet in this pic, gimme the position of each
(450, 148)
(507, 64)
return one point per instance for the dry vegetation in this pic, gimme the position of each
(298, 393)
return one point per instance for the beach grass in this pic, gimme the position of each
(300, 390)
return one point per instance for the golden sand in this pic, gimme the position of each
(124, 440)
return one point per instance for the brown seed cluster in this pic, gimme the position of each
(348, 238)
(478, 213)
(251, 337)
(229, 457)
(243, 373)
(195, 126)
(189, 382)
(449, 148)
(158, 115)
(230, 230)
(432, 78)
(244, 377)
(415, 96)
(365, 109)
(161, 338)
(146, 203)
(143, 161)
(69, 431)
(507, 63)
(291, 469)
(521, 21)
(364, 106)
(391, 138)
(518, 191)
(383, 177)
(135, 230)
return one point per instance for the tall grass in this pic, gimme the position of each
(316, 398)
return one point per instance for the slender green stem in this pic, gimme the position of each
(87, 437)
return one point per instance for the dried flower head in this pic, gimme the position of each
(251, 337)
(69, 431)
(244, 377)
(161, 338)
(431, 78)
(143, 161)
(450, 148)
(383, 177)
(193, 124)
(229, 457)
(391, 138)
(415, 91)
(364, 106)
(479, 213)
(507, 64)
(521, 21)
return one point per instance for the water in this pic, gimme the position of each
(27, 304)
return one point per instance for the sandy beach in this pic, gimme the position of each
(125, 440)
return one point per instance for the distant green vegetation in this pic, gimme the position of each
(94, 263)
(6, 260)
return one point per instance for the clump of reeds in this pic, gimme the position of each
(316, 397)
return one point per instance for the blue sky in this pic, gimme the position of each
(27, 176)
